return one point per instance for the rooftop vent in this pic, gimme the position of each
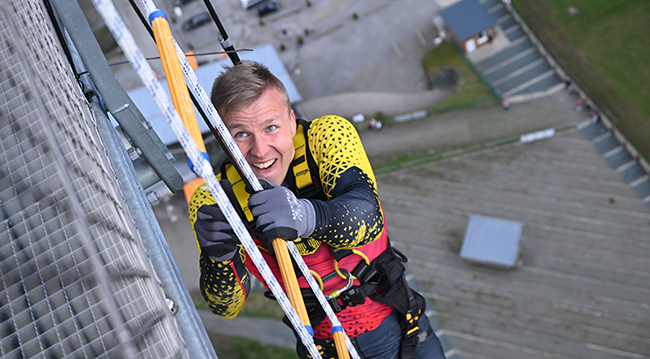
(492, 241)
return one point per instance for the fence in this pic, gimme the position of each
(75, 279)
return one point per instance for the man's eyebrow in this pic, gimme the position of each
(269, 120)
(239, 125)
(235, 126)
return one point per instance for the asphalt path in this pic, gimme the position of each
(380, 51)
(469, 127)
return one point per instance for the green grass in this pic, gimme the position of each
(469, 91)
(606, 51)
(240, 348)
(256, 306)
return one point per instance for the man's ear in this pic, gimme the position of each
(293, 123)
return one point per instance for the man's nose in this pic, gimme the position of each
(260, 147)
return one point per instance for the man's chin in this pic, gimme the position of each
(265, 175)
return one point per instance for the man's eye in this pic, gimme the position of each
(240, 134)
(271, 128)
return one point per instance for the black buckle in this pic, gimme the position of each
(412, 326)
(354, 296)
(411, 337)
(334, 303)
(408, 347)
(366, 274)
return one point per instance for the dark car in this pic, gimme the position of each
(196, 21)
(267, 8)
(179, 3)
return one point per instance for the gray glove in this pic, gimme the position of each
(216, 238)
(279, 214)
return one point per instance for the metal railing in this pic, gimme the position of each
(75, 277)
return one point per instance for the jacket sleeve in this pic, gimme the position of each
(352, 217)
(224, 281)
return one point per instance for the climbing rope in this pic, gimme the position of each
(248, 176)
(200, 163)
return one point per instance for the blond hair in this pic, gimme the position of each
(241, 85)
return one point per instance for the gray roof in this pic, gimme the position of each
(265, 54)
(493, 241)
(583, 290)
(467, 18)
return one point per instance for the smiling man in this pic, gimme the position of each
(320, 192)
(264, 133)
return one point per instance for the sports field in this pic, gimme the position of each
(606, 50)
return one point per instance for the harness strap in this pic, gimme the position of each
(413, 336)
(339, 253)
(307, 183)
(300, 165)
(239, 189)
(386, 276)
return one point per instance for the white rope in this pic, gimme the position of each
(321, 297)
(125, 40)
(229, 142)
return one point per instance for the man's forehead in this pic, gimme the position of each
(237, 122)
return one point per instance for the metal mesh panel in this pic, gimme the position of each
(74, 278)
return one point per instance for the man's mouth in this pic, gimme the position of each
(264, 165)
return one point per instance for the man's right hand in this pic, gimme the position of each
(216, 237)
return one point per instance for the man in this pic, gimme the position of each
(320, 193)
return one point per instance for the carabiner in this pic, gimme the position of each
(335, 294)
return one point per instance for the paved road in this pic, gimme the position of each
(470, 127)
(381, 51)
(369, 103)
(265, 331)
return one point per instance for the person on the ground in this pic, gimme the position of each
(505, 104)
(320, 193)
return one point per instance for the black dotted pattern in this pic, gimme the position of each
(223, 283)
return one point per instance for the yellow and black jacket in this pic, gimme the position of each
(332, 170)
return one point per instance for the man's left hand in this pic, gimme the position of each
(279, 214)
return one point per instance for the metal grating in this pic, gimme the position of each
(75, 280)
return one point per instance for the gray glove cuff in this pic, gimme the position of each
(308, 223)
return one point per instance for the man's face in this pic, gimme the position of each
(264, 133)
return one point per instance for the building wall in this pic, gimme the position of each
(462, 44)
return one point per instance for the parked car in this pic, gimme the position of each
(267, 8)
(196, 21)
(179, 3)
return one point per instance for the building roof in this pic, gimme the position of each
(492, 241)
(265, 54)
(467, 18)
(583, 290)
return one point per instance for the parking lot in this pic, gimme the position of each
(380, 50)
